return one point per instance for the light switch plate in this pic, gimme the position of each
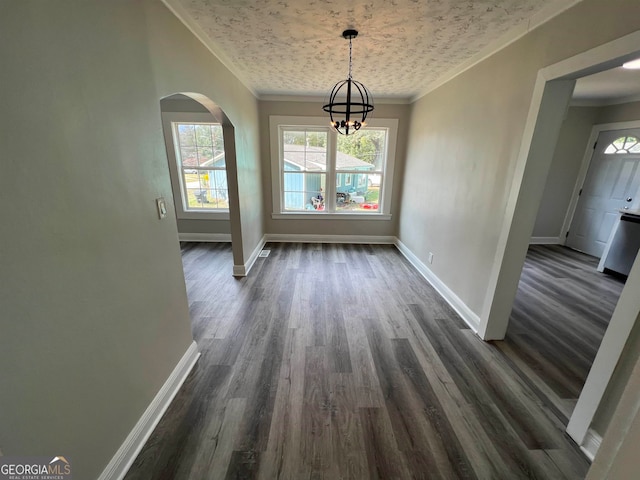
(162, 208)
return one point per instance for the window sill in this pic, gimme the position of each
(205, 215)
(330, 216)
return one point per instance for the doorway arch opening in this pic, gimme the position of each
(552, 93)
(203, 169)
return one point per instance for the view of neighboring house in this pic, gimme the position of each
(203, 186)
(303, 187)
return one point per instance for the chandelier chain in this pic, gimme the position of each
(350, 62)
(349, 101)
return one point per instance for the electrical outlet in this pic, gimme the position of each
(430, 257)
(162, 208)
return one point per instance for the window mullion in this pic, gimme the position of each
(183, 190)
(183, 181)
(332, 148)
(281, 166)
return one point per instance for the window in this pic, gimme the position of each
(200, 155)
(623, 145)
(195, 147)
(316, 171)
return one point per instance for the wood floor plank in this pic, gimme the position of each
(369, 393)
(519, 393)
(561, 311)
(347, 438)
(174, 446)
(316, 450)
(260, 401)
(243, 465)
(337, 341)
(412, 437)
(216, 445)
(340, 362)
(541, 384)
(457, 464)
(508, 442)
(510, 401)
(572, 465)
(473, 438)
(383, 457)
(283, 449)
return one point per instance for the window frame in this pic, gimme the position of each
(169, 119)
(622, 150)
(278, 123)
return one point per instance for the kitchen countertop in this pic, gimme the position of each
(623, 245)
(635, 213)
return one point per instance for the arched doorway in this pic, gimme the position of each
(202, 165)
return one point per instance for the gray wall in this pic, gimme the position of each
(565, 167)
(182, 103)
(182, 64)
(93, 307)
(464, 141)
(318, 226)
(189, 225)
(619, 113)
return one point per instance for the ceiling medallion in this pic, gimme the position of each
(349, 101)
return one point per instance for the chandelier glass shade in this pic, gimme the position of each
(349, 101)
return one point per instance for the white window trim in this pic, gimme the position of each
(384, 212)
(168, 118)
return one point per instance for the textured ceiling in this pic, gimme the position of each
(287, 47)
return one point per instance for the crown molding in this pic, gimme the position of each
(181, 14)
(604, 102)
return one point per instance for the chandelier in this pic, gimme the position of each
(349, 101)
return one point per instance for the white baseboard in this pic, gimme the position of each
(121, 462)
(205, 237)
(243, 270)
(470, 317)
(591, 444)
(545, 241)
(373, 239)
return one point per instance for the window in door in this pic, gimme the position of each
(623, 145)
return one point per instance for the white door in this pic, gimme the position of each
(612, 184)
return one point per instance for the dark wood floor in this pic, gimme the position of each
(341, 362)
(560, 314)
